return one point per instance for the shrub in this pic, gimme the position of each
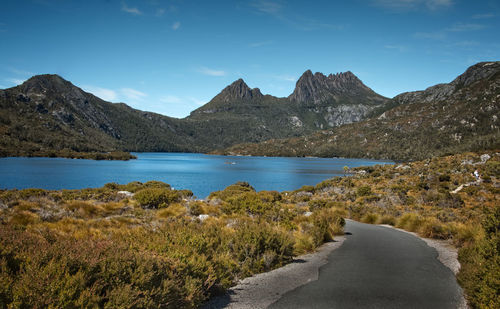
(410, 222)
(156, 197)
(319, 204)
(370, 218)
(444, 178)
(364, 191)
(387, 219)
(326, 223)
(433, 228)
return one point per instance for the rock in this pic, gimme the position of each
(307, 214)
(203, 217)
(238, 90)
(403, 167)
(295, 121)
(485, 157)
(317, 88)
(125, 193)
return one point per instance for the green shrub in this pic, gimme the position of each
(444, 178)
(319, 204)
(387, 219)
(370, 218)
(326, 224)
(364, 191)
(156, 197)
(410, 222)
(480, 265)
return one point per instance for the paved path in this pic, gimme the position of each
(378, 267)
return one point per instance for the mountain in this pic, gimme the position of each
(241, 114)
(462, 115)
(48, 113)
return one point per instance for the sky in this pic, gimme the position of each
(173, 56)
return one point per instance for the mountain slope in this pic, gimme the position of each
(447, 118)
(241, 114)
(49, 113)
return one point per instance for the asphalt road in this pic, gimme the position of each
(378, 267)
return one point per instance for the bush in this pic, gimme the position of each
(156, 197)
(319, 204)
(410, 222)
(370, 218)
(364, 191)
(387, 219)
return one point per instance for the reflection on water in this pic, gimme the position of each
(199, 173)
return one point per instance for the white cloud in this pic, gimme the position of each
(269, 7)
(176, 25)
(276, 10)
(287, 78)
(197, 101)
(15, 81)
(460, 27)
(437, 35)
(170, 99)
(442, 34)
(211, 72)
(407, 5)
(132, 94)
(103, 93)
(483, 16)
(21, 72)
(437, 4)
(131, 10)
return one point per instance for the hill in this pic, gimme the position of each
(462, 115)
(48, 115)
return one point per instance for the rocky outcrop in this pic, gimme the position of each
(344, 114)
(442, 92)
(318, 88)
(238, 90)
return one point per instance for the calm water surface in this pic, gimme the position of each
(199, 173)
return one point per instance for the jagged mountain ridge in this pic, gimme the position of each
(318, 88)
(49, 113)
(317, 102)
(462, 115)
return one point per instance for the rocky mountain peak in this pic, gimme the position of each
(50, 84)
(317, 87)
(238, 90)
(477, 72)
(45, 82)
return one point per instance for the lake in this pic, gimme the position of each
(199, 173)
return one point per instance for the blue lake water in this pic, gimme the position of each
(199, 173)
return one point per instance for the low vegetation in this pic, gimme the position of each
(437, 198)
(65, 153)
(145, 244)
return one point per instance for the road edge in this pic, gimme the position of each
(261, 290)
(447, 255)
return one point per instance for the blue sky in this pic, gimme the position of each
(173, 56)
